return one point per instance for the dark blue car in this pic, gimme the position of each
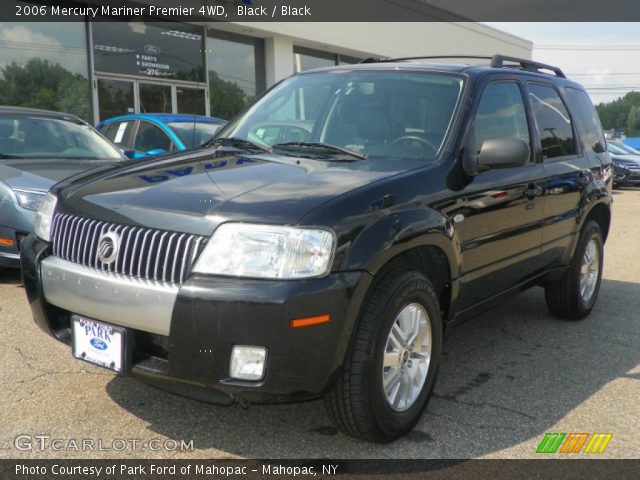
(145, 134)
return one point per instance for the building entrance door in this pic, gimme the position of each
(123, 95)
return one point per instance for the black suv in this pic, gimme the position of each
(329, 234)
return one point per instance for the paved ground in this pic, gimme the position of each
(507, 378)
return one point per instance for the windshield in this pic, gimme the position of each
(621, 149)
(194, 134)
(23, 136)
(378, 113)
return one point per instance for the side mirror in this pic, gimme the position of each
(497, 153)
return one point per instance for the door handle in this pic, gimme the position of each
(533, 191)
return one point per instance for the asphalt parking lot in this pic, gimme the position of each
(508, 377)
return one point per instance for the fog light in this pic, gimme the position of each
(247, 362)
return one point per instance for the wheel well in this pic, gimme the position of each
(601, 214)
(433, 263)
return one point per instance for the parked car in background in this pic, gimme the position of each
(626, 165)
(633, 142)
(148, 134)
(39, 148)
(616, 148)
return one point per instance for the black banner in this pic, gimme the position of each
(587, 469)
(321, 10)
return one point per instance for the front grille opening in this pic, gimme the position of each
(141, 252)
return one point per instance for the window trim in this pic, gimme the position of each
(579, 151)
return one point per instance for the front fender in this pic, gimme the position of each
(400, 231)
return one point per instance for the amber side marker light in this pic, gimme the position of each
(309, 321)
(6, 241)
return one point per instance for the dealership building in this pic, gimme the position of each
(100, 69)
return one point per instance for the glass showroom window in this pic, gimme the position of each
(160, 51)
(236, 72)
(307, 59)
(45, 65)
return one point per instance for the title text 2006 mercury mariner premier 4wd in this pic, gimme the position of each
(320, 244)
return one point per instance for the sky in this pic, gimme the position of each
(603, 57)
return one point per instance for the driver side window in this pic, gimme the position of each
(500, 114)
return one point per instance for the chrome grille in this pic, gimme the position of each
(143, 252)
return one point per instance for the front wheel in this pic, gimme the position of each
(574, 295)
(391, 365)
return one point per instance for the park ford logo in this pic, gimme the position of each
(151, 49)
(108, 244)
(99, 344)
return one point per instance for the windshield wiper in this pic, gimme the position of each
(235, 142)
(320, 146)
(4, 155)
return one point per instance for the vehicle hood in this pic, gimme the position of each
(195, 192)
(42, 174)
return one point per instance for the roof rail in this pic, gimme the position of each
(422, 57)
(497, 61)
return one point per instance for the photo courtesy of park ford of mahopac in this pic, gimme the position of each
(279, 239)
(198, 469)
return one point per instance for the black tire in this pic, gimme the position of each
(563, 296)
(357, 402)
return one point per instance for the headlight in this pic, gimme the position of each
(29, 199)
(267, 251)
(44, 217)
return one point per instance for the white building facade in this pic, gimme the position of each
(98, 70)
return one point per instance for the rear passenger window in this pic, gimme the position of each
(500, 114)
(587, 119)
(553, 122)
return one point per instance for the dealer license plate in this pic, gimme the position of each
(98, 343)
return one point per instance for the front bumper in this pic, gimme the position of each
(182, 337)
(10, 260)
(625, 176)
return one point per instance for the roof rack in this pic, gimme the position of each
(497, 61)
(529, 65)
(431, 57)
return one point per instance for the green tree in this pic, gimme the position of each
(39, 83)
(615, 114)
(633, 122)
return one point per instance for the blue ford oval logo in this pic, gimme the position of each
(99, 344)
